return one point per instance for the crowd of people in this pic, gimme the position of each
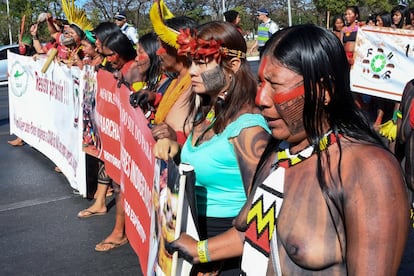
(292, 176)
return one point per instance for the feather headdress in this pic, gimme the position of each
(158, 13)
(75, 15)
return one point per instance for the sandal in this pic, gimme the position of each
(104, 246)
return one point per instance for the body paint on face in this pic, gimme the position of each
(213, 79)
(259, 93)
(289, 104)
(161, 51)
(292, 113)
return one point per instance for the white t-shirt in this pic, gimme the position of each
(131, 32)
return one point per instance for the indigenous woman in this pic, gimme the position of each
(91, 56)
(337, 25)
(349, 32)
(383, 19)
(400, 16)
(328, 197)
(227, 134)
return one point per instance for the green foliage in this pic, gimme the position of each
(303, 11)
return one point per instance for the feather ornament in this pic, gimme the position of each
(158, 12)
(75, 15)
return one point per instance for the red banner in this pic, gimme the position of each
(108, 121)
(137, 177)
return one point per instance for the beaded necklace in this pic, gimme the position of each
(285, 159)
(348, 30)
(209, 122)
(260, 235)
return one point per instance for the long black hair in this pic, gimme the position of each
(405, 15)
(120, 44)
(243, 85)
(386, 19)
(149, 42)
(103, 29)
(316, 54)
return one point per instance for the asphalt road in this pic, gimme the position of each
(39, 231)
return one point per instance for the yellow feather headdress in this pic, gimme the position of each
(158, 13)
(75, 15)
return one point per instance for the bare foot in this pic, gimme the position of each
(88, 213)
(16, 142)
(93, 210)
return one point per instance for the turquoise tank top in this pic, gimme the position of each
(219, 187)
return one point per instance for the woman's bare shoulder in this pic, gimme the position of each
(366, 163)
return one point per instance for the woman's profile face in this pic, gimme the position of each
(142, 60)
(280, 97)
(207, 77)
(379, 22)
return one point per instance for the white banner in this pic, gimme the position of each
(45, 109)
(383, 61)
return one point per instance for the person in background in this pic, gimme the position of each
(266, 28)
(410, 25)
(309, 175)
(150, 92)
(337, 24)
(67, 40)
(104, 182)
(383, 108)
(233, 17)
(400, 16)
(371, 20)
(90, 54)
(383, 19)
(349, 31)
(129, 30)
(101, 32)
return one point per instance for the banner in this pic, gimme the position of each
(67, 112)
(138, 168)
(383, 59)
(44, 110)
(107, 117)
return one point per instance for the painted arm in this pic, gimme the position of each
(249, 146)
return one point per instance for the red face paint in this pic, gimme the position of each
(142, 57)
(22, 49)
(297, 91)
(259, 93)
(161, 51)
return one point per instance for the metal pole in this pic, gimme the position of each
(224, 8)
(8, 22)
(289, 13)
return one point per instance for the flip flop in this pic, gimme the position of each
(87, 214)
(15, 143)
(104, 246)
